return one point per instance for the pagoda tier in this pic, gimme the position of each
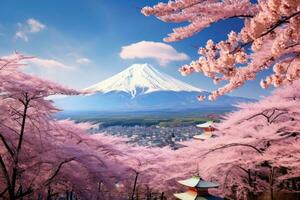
(192, 195)
(208, 131)
(205, 125)
(198, 189)
(188, 195)
(203, 136)
(197, 182)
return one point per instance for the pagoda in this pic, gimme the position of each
(198, 189)
(207, 131)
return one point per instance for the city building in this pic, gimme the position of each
(207, 128)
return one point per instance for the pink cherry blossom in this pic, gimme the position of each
(270, 38)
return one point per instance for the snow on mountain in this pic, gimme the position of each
(143, 88)
(141, 79)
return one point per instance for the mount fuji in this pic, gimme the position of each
(139, 79)
(141, 87)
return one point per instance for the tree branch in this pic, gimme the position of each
(19, 146)
(241, 16)
(242, 168)
(258, 114)
(8, 148)
(271, 28)
(233, 145)
(3, 192)
(279, 114)
(57, 170)
(5, 172)
(23, 194)
(269, 116)
(230, 170)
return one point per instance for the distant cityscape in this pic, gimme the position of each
(153, 136)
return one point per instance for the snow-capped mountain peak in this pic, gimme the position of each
(141, 79)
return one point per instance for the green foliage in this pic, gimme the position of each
(148, 121)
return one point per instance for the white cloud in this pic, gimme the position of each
(35, 26)
(48, 63)
(161, 52)
(21, 35)
(31, 26)
(83, 61)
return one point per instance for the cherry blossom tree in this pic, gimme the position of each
(256, 149)
(269, 39)
(40, 156)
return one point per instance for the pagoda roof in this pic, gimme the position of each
(197, 182)
(192, 195)
(205, 125)
(203, 136)
(188, 195)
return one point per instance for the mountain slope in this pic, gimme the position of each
(141, 79)
(141, 87)
(161, 100)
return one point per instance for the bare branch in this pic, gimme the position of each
(57, 170)
(8, 148)
(19, 146)
(5, 172)
(23, 194)
(279, 114)
(3, 192)
(268, 116)
(233, 145)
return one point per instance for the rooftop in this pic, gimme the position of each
(197, 182)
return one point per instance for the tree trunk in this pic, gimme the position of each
(99, 190)
(137, 194)
(134, 185)
(67, 195)
(271, 183)
(49, 194)
(12, 192)
(40, 197)
(162, 196)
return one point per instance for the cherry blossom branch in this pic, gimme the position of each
(269, 26)
(57, 170)
(134, 185)
(23, 194)
(239, 167)
(241, 16)
(233, 145)
(5, 173)
(272, 28)
(268, 116)
(19, 146)
(3, 192)
(7, 146)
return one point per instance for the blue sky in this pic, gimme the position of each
(79, 43)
